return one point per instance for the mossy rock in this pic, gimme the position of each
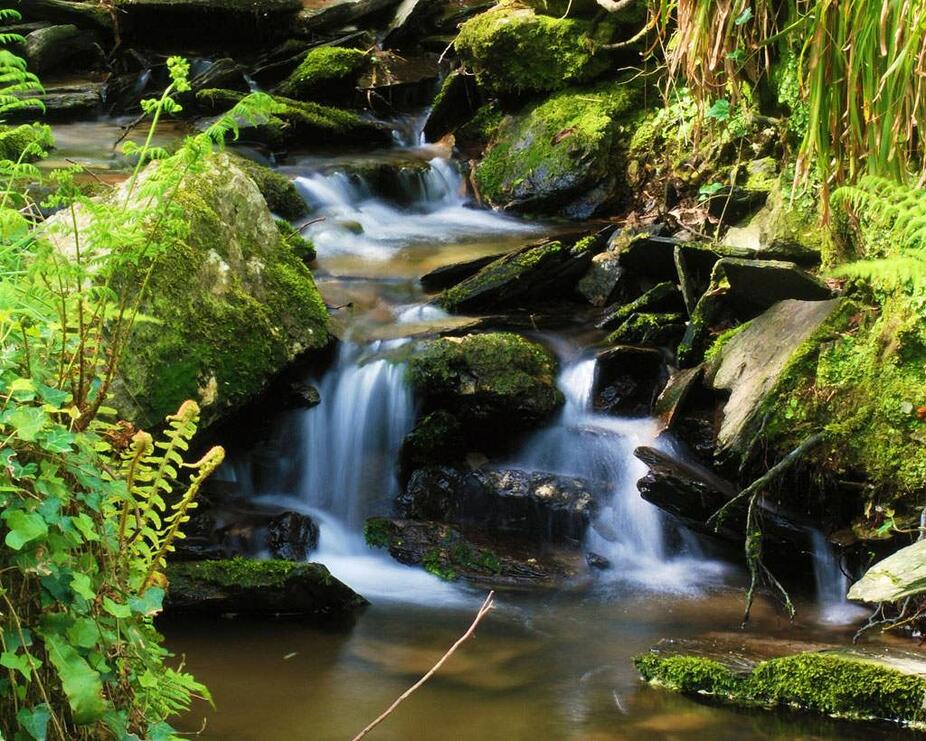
(241, 585)
(486, 380)
(301, 247)
(437, 439)
(563, 155)
(326, 70)
(16, 140)
(278, 190)
(841, 684)
(293, 122)
(515, 51)
(231, 304)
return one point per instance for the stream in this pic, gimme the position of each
(546, 664)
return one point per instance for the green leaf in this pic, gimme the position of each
(115, 609)
(58, 440)
(28, 422)
(17, 662)
(84, 633)
(149, 603)
(720, 111)
(743, 18)
(24, 527)
(84, 523)
(80, 584)
(81, 684)
(34, 721)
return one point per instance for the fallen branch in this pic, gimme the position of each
(483, 611)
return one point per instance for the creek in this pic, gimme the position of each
(546, 664)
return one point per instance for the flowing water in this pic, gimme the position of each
(544, 665)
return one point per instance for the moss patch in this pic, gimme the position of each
(325, 69)
(15, 140)
(514, 51)
(278, 190)
(237, 572)
(301, 247)
(829, 683)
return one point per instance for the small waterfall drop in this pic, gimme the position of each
(628, 531)
(832, 584)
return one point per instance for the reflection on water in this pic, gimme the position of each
(550, 666)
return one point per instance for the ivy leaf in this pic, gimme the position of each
(34, 721)
(82, 685)
(149, 603)
(84, 633)
(20, 663)
(83, 523)
(115, 609)
(80, 585)
(28, 422)
(58, 440)
(24, 527)
(720, 111)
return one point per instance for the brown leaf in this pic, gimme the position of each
(564, 134)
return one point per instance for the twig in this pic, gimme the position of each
(483, 611)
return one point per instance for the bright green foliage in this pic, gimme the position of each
(25, 143)
(844, 686)
(324, 68)
(513, 51)
(278, 190)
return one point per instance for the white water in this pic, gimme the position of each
(628, 531)
(355, 220)
(832, 585)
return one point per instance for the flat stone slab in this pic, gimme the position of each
(898, 576)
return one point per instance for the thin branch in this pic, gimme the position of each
(483, 611)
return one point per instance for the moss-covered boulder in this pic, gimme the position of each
(563, 155)
(487, 381)
(227, 302)
(839, 683)
(514, 50)
(325, 71)
(246, 586)
(278, 191)
(293, 122)
(26, 141)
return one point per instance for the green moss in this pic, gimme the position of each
(642, 328)
(514, 51)
(325, 69)
(862, 378)
(15, 140)
(378, 532)
(829, 683)
(544, 146)
(278, 190)
(437, 439)
(722, 339)
(241, 572)
(483, 126)
(300, 246)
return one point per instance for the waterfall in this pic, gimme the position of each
(832, 584)
(628, 531)
(373, 215)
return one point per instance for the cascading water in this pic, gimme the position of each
(628, 531)
(832, 584)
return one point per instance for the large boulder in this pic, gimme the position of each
(227, 304)
(251, 587)
(539, 507)
(69, 12)
(750, 364)
(563, 155)
(514, 50)
(52, 48)
(326, 71)
(490, 382)
(900, 575)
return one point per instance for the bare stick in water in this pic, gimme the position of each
(483, 611)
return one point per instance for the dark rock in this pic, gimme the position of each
(80, 14)
(449, 275)
(326, 72)
(663, 297)
(628, 380)
(692, 494)
(599, 563)
(303, 396)
(246, 586)
(446, 552)
(412, 20)
(600, 281)
(537, 272)
(318, 15)
(671, 402)
(222, 73)
(646, 253)
(397, 82)
(455, 104)
(652, 330)
(81, 100)
(55, 47)
(438, 439)
(292, 536)
(494, 384)
(537, 506)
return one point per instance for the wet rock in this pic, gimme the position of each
(661, 298)
(514, 51)
(80, 14)
(245, 586)
(692, 494)
(319, 15)
(396, 82)
(293, 122)
(741, 290)
(438, 439)
(900, 575)
(446, 552)
(455, 104)
(562, 155)
(303, 396)
(599, 563)
(751, 362)
(600, 281)
(222, 73)
(649, 329)
(412, 21)
(671, 402)
(539, 272)
(292, 536)
(66, 102)
(645, 253)
(628, 380)
(541, 507)
(56, 47)
(494, 384)
(449, 275)
(325, 72)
